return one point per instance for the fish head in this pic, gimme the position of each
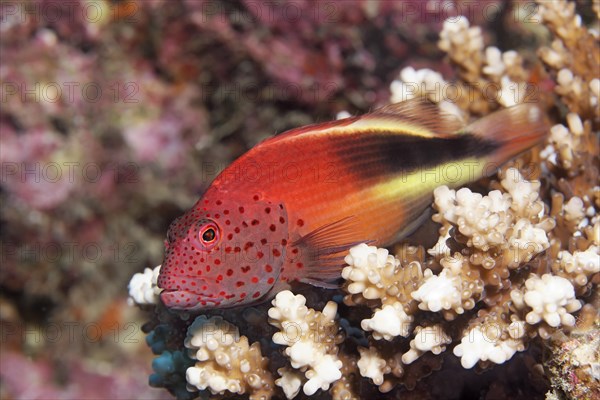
(224, 252)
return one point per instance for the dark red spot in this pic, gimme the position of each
(208, 268)
(282, 220)
(199, 272)
(272, 228)
(219, 202)
(202, 260)
(236, 249)
(300, 222)
(242, 295)
(227, 222)
(299, 265)
(268, 210)
(263, 241)
(241, 210)
(204, 287)
(268, 268)
(244, 224)
(193, 283)
(208, 215)
(246, 269)
(222, 293)
(254, 279)
(255, 295)
(260, 255)
(236, 230)
(276, 253)
(254, 222)
(270, 281)
(230, 236)
(283, 242)
(255, 197)
(217, 216)
(248, 245)
(205, 201)
(219, 278)
(295, 251)
(226, 212)
(239, 284)
(228, 249)
(217, 261)
(229, 272)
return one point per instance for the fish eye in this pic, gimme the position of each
(209, 235)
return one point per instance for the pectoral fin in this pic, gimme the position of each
(322, 251)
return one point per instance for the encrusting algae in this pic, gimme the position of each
(514, 269)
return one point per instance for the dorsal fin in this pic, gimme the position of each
(415, 117)
(418, 116)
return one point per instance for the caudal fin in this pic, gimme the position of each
(516, 129)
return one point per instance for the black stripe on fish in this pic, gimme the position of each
(379, 153)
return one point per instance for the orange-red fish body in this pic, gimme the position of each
(292, 206)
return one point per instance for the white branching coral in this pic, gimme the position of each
(512, 221)
(482, 343)
(563, 143)
(502, 69)
(375, 274)
(388, 322)
(439, 292)
(573, 55)
(371, 365)
(484, 219)
(462, 42)
(226, 362)
(370, 271)
(143, 288)
(311, 337)
(290, 382)
(580, 266)
(454, 290)
(415, 83)
(426, 83)
(551, 298)
(430, 338)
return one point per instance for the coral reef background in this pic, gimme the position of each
(116, 115)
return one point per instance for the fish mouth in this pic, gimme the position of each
(180, 299)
